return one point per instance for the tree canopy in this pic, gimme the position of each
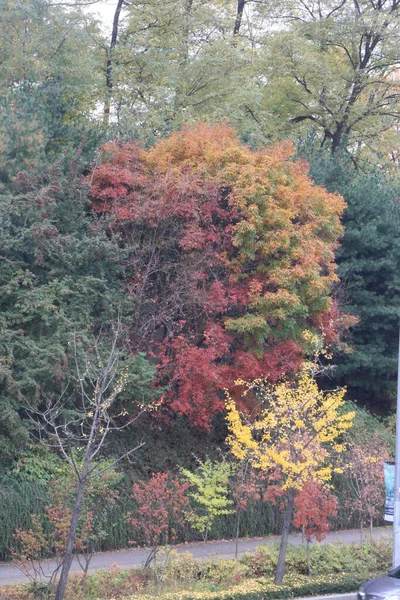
(233, 259)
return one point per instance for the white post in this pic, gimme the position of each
(396, 516)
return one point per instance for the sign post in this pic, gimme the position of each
(396, 517)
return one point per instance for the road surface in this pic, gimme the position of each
(136, 557)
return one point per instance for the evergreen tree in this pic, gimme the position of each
(368, 266)
(61, 280)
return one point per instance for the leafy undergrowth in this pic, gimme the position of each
(336, 568)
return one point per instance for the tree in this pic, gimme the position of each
(364, 470)
(84, 420)
(48, 90)
(60, 274)
(245, 487)
(110, 61)
(210, 481)
(333, 67)
(162, 504)
(234, 258)
(180, 51)
(48, 533)
(296, 429)
(368, 260)
(313, 506)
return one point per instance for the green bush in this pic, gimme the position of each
(374, 555)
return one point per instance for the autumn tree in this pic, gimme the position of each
(296, 429)
(234, 259)
(162, 504)
(313, 505)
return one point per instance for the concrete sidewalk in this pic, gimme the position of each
(136, 557)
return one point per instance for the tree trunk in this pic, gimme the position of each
(71, 539)
(206, 535)
(280, 568)
(237, 533)
(109, 65)
(239, 16)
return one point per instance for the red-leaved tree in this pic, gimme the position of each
(162, 504)
(231, 257)
(313, 505)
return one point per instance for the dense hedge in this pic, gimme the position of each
(18, 501)
(261, 518)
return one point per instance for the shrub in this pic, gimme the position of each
(375, 555)
(263, 589)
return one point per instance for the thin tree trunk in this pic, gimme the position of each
(109, 65)
(71, 539)
(237, 533)
(371, 525)
(206, 535)
(280, 568)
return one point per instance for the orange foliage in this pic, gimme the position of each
(232, 257)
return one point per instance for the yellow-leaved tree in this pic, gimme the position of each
(296, 432)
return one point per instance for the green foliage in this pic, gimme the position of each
(49, 80)
(37, 463)
(367, 425)
(175, 63)
(368, 260)
(331, 71)
(187, 578)
(210, 481)
(324, 558)
(19, 499)
(61, 280)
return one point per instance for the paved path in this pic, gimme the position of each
(136, 557)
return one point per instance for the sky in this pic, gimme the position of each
(105, 9)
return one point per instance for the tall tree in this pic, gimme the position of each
(60, 273)
(174, 63)
(368, 259)
(334, 68)
(110, 61)
(49, 80)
